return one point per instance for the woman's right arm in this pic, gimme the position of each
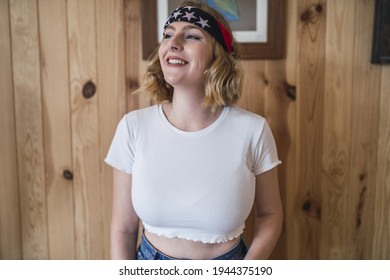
(124, 221)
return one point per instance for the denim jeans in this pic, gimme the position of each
(146, 251)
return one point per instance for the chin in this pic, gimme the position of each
(172, 80)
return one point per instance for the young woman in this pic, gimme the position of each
(192, 167)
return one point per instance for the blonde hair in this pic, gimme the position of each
(222, 81)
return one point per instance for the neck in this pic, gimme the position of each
(187, 112)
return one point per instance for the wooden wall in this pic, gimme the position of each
(55, 188)
(333, 137)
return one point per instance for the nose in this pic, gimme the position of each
(173, 49)
(175, 44)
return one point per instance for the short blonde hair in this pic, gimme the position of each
(222, 81)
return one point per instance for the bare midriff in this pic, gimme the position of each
(187, 249)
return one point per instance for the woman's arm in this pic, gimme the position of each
(269, 216)
(124, 221)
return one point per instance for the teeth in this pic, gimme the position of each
(176, 61)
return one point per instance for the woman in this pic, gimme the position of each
(192, 166)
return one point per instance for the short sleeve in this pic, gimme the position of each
(265, 154)
(121, 152)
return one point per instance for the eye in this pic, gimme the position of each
(193, 37)
(166, 36)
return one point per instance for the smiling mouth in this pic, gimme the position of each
(176, 61)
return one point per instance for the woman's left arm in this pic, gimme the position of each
(268, 216)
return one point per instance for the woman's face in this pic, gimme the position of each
(185, 53)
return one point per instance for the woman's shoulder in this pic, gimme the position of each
(246, 116)
(142, 114)
(143, 111)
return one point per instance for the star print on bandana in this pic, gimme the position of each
(204, 20)
(176, 14)
(189, 16)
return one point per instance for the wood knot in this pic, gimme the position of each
(290, 91)
(132, 84)
(310, 208)
(311, 13)
(264, 78)
(68, 175)
(306, 206)
(306, 16)
(319, 8)
(89, 89)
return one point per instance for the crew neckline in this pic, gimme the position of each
(207, 129)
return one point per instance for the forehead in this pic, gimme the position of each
(181, 25)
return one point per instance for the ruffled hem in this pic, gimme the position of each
(206, 239)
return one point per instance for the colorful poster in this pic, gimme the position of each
(228, 8)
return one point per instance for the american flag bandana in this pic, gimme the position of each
(204, 20)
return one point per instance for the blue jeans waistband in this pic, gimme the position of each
(146, 251)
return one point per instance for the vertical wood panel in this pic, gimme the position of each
(291, 41)
(10, 235)
(277, 105)
(337, 222)
(134, 62)
(306, 203)
(254, 84)
(29, 128)
(85, 134)
(364, 134)
(333, 140)
(133, 51)
(112, 98)
(57, 134)
(289, 164)
(252, 99)
(135, 65)
(381, 248)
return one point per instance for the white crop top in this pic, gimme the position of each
(193, 185)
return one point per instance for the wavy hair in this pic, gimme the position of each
(222, 81)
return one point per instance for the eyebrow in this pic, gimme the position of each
(187, 27)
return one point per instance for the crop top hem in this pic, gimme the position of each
(205, 238)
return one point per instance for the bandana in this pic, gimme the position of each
(204, 20)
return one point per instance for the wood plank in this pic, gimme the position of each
(133, 52)
(291, 41)
(10, 232)
(252, 100)
(381, 248)
(254, 84)
(57, 133)
(144, 99)
(112, 86)
(364, 134)
(338, 199)
(29, 128)
(305, 204)
(290, 185)
(276, 109)
(133, 48)
(89, 222)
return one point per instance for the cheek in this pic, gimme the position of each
(209, 59)
(160, 53)
(161, 56)
(208, 56)
(203, 58)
